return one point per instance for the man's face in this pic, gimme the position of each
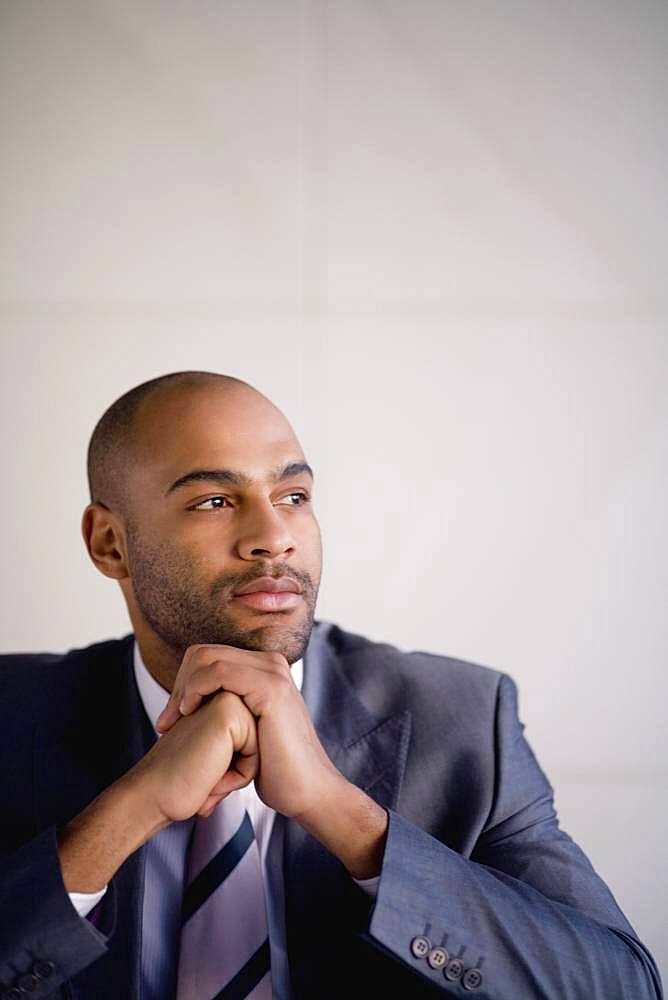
(192, 544)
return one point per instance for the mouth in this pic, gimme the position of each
(264, 600)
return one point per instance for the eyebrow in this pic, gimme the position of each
(232, 476)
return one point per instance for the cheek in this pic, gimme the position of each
(200, 562)
(191, 538)
(185, 564)
(313, 548)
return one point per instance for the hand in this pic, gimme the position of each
(193, 767)
(295, 774)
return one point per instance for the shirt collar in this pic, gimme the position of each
(155, 697)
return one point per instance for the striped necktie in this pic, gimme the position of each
(224, 947)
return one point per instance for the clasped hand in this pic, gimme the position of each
(270, 737)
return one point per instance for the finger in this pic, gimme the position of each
(270, 661)
(169, 715)
(239, 776)
(223, 675)
(248, 767)
(248, 668)
(183, 699)
(175, 708)
(207, 807)
(258, 688)
(230, 782)
(200, 683)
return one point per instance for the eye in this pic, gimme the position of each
(199, 506)
(304, 498)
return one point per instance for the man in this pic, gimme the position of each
(375, 821)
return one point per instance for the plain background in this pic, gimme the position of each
(435, 235)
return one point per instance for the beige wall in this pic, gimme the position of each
(435, 234)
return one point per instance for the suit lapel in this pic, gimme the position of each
(370, 751)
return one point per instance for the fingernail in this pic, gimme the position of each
(182, 707)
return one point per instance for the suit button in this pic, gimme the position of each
(472, 979)
(28, 983)
(453, 969)
(437, 958)
(43, 969)
(420, 946)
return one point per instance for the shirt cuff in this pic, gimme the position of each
(370, 885)
(83, 902)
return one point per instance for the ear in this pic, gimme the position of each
(105, 541)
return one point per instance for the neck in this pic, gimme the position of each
(162, 662)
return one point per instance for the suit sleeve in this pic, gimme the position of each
(526, 916)
(43, 940)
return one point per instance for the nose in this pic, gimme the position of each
(264, 531)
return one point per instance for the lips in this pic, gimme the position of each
(270, 585)
(262, 600)
(268, 593)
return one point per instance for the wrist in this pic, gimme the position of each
(96, 842)
(134, 793)
(351, 825)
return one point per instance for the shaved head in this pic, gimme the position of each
(113, 450)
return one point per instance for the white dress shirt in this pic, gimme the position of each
(154, 698)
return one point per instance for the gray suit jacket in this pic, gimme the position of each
(474, 862)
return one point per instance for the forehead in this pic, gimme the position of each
(210, 428)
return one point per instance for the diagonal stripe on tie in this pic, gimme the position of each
(217, 870)
(247, 977)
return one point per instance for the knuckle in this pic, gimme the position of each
(197, 657)
(191, 680)
(277, 662)
(199, 654)
(284, 685)
(219, 667)
(203, 674)
(191, 653)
